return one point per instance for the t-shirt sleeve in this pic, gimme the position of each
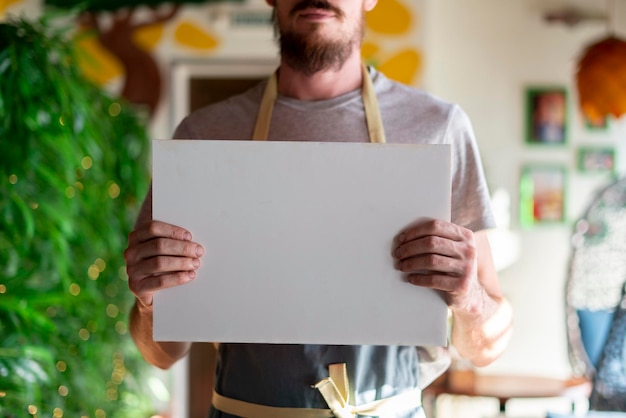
(183, 131)
(471, 203)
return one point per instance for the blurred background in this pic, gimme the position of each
(551, 137)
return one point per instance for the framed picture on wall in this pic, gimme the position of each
(542, 194)
(546, 117)
(596, 159)
(601, 124)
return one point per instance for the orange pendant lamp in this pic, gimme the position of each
(601, 79)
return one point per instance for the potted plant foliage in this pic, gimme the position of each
(73, 171)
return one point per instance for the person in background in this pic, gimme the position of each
(323, 92)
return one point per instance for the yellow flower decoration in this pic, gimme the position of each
(389, 17)
(403, 66)
(148, 37)
(389, 42)
(5, 4)
(193, 36)
(95, 61)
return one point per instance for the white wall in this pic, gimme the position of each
(481, 54)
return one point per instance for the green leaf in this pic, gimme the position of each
(55, 221)
(23, 217)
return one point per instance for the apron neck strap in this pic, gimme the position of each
(370, 103)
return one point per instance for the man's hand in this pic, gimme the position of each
(160, 255)
(447, 257)
(441, 255)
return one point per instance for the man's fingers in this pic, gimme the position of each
(439, 255)
(434, 281)
(162, 265)
(435, 242)
(172, 247)
(453, 287)
(160, 255)
(432, 264)
(155, 229)
(435, 227)
(160, 239)
(426, 245)
(147, 286)
(138, 253)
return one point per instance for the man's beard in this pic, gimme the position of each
(310, 53)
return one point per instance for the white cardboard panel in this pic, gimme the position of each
(298, 239)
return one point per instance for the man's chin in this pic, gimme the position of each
(315, 32)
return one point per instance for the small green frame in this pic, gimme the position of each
(542, 194)
(596, 159)
(601, 126)
(546, 115)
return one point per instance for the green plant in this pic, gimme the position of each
(73, 170)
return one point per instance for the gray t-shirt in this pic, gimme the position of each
(282, 375)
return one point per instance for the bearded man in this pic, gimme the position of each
(323, 92)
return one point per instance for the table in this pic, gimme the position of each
(506, 387)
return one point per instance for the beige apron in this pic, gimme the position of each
(334, 389)
(370, 103)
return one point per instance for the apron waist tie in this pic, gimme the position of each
(334, 392)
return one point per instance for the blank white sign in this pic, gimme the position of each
(298, 239)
